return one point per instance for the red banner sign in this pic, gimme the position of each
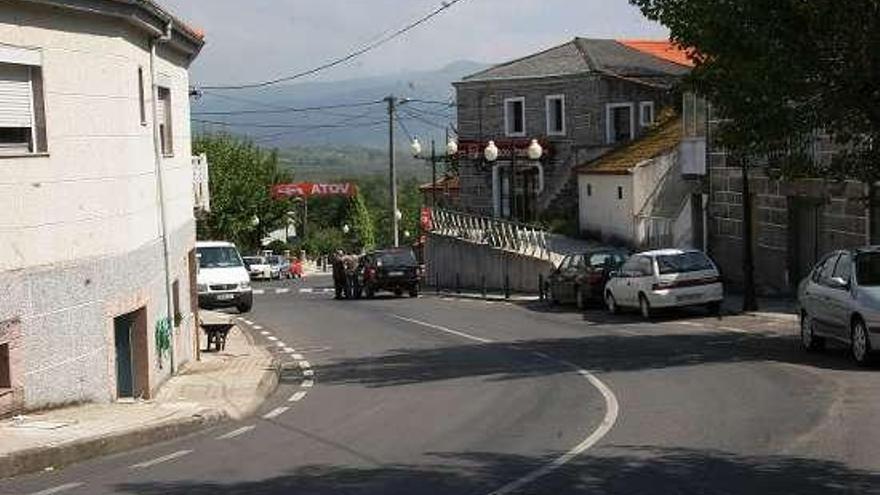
(310, 189)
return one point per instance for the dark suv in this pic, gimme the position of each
(394, 270)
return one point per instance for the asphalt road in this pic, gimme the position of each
(443, 396)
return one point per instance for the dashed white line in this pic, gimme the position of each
(160, 460)
(289, 350)
(309, 372)
(237, 432)
(306, 290)
(280, 344)
(59, 488)
(258, 327)
(307, 384)
(305, 364)
(282, 291)
(259, 291)
(297, 356)
(297, 396)
(265, 332)
(734, 329)
(274, 413)
(249, 322)
(444, 329)
(272, 338)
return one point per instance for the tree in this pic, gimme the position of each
(361, 223)
(777, 71)
(242, 175)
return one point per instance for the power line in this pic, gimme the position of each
(369, 47)
(424, 120)
(277, 110)
(284, 126)
(403, 126)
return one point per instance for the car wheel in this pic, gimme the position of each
(244, 307)
(809, 341)
(371, 292)
(644, 307)
(611, 303)
(579, 298)
(398, 292)
(860, 344)
(414, 291)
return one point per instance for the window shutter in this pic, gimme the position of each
(15, 96)
(160, 109)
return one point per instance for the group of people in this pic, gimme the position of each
(344, 274)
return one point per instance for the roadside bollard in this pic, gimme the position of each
(506, 287)
(540, 286)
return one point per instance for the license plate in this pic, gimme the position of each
(395, 274)
(689, 297)
(225, 297)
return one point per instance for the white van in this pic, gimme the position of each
(223, 281)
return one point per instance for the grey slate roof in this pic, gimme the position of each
(582, 55)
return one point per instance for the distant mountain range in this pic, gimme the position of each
(363, 126)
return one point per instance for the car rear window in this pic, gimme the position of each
(255, 260)
(868, 269)
(600, 260)
(683, 263)
(402, 258)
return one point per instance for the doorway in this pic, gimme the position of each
(130, 344)
(804, 249)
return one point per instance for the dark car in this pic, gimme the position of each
(394, 270)
(581, 278)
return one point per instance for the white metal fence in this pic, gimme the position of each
(494, 232)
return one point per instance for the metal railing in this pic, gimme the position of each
(502, 234)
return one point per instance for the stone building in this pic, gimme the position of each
(97, 232)
(578, 100)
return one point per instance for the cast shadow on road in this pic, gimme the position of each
(602, 353)
(623, 470)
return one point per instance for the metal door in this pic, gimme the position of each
(803, 238)
(122, 326)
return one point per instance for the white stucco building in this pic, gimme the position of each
(636, 195)
(94, 130)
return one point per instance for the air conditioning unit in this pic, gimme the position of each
(692, 156)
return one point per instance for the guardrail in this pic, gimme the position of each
(502, 234)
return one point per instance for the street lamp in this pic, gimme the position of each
(534, 152)
(346, 229)
(451, 151)
(398, 215)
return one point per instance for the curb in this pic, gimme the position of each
(488, 298)
(41, 458)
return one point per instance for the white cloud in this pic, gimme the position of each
(261, 39)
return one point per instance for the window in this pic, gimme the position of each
(694, 115)
(645, 266)
(141, 97)
(619, 122)
(5, 375)
(555, 115)
(515, 116)
(163, 109)
(646, 113)
(843, 269)
(175, 299)
(218, 257)
(828, 269)
(868, 269)
(22, 112)
(694, 261)
(619, 192)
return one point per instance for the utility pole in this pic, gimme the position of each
(392, 173)
(433, 176)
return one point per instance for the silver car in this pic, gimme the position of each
(840, 300)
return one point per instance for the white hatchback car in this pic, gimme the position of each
(665, 278)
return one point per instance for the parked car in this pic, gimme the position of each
(582, 277)
(280, 264)
(222, 279)
(260, 268)
(395, 270)
(840, 300)
(664, 279)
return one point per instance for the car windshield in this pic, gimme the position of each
(601, 260)
(401, 258)
(868, 269)
(683, 263)
(218, 257)
(255, 260)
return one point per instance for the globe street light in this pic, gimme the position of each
(451, 151)
(346, 229)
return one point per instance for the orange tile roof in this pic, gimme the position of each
(666, 50)
(442, 183)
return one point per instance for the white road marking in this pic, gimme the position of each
(734, 329)
(274, 413)
(59, 488)
(160, 460)
(235, 433)
(265, 332)
(297, 396)
(444, 329)
(612, 409)
(282, 291)
(280, 344)
(306, 290)
(259, 291)
(689, 323)
(305, 364)
(307, 384)
(272, 338)
(249, 322)
(258, 327)
(297, 356)
(308, 372)
(289, 350)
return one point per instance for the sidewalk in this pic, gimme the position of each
(490, 296)
(226, 385)
(774, 309)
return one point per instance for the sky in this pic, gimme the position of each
(262, 39)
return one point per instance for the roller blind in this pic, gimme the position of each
(16, 100)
